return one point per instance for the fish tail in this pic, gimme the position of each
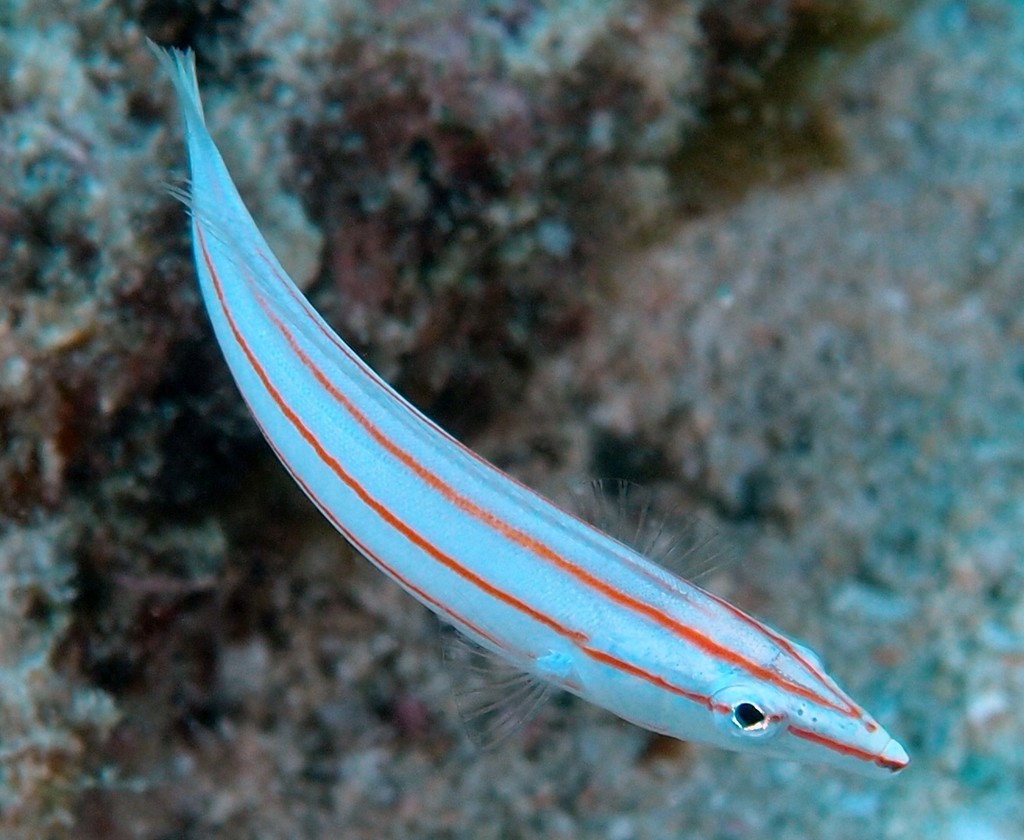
(181, 67)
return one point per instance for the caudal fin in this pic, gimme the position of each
(181, 67)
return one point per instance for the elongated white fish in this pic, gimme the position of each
(550, 595)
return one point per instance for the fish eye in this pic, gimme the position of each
(744, 711)
(749, 717)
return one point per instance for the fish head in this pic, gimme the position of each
(767, 694)
(750, 716)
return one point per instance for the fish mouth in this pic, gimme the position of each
(893, 757)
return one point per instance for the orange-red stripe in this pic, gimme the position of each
(381, 510)
(787, 646)
(593, 653)
(699, 640)
(814, 672)
(661, 682)
(375, 558)
(696, 638)
(845, 749)
(575, 636)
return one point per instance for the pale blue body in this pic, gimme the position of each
(548, 592)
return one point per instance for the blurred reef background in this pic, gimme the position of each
(765, 257)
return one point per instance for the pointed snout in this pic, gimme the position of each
(893, 757)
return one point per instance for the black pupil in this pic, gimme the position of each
(747, 715)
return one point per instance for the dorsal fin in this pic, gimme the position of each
(684, 544)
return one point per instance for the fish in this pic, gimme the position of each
(538, 598)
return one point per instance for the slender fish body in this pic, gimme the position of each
(548, 593)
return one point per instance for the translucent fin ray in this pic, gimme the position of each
(494, 698)
(684, 544)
